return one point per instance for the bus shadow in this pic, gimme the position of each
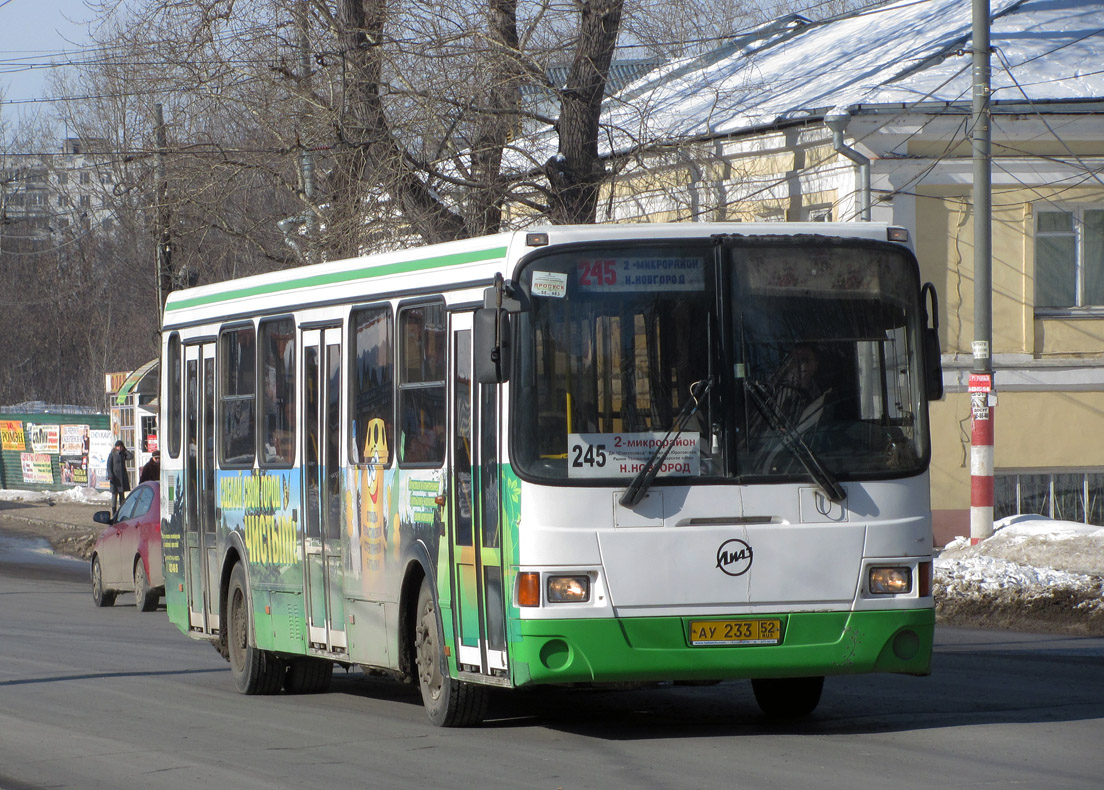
(105, 675)
(1010, 683)
(730, 709)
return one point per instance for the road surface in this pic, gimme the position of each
(115, 699)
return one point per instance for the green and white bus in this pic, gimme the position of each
(572, 455)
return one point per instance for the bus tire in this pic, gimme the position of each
(100, 595)
(144, 598)
(448, 702)
(255, 671)
(308, 676)
(787, 698)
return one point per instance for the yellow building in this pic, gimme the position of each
(869, 114)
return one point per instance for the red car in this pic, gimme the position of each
(127, 555)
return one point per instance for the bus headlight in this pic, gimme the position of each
(568, 589)
(890, 581)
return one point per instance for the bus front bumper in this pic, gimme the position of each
(659, 648)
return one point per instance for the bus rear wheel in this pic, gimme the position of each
(448, 702)
(255, 671)
(787, 698)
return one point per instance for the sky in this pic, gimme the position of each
(33, 34)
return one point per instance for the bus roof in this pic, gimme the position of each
(447, 266)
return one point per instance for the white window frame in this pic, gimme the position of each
(1078, 211)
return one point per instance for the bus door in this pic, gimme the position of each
(479, 606)
(321, 488)
(201, 566)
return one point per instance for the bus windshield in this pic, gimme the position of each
(750, 359)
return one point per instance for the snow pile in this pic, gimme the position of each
(84, 496)
(1043, 569)
(77, 495)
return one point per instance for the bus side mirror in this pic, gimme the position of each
(492, 345)
(933, 367)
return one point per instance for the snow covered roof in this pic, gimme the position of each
(911, 52)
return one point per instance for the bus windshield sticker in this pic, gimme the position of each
(623, 454)
(550, 284)
(650, 273)
(827, 275)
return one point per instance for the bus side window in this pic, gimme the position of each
(372, 381)
(422, 387)
(238, 394)
(174, 376)
(278, 391)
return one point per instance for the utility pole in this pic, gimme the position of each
(981, 375)
(164, 232)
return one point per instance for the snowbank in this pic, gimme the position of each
(76, 494)
(1033, 572)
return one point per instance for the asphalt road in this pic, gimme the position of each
(111, 698)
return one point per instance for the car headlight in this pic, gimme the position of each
(890, 581)
(568, 589)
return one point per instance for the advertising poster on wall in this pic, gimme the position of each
(37, 468)
(100, 442)
(72, 439)
(45, 438)
(75, 442)
(11, 435)
(73, 472)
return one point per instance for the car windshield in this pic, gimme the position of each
(799, 351)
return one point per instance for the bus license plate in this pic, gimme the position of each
(736, 632)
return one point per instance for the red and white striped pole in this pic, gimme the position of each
(981, 379)
(981, 458)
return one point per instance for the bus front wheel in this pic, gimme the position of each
(787, 698)
(255, 671)
(448, 702)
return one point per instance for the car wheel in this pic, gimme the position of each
(100, 596)
(255, 671)
(448, 702)
(144, 598)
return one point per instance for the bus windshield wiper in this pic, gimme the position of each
(791, 438)
(647, 474)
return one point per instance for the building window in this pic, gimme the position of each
(85, 201)
(1069, 257)
(819, 213)
(85, 177)
(1066, 496)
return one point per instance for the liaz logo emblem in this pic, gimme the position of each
(734, 557)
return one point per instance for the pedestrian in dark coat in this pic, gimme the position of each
(117, 476)
(151, 472)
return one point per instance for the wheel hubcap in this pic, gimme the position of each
(429, 671)
(237, 630)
